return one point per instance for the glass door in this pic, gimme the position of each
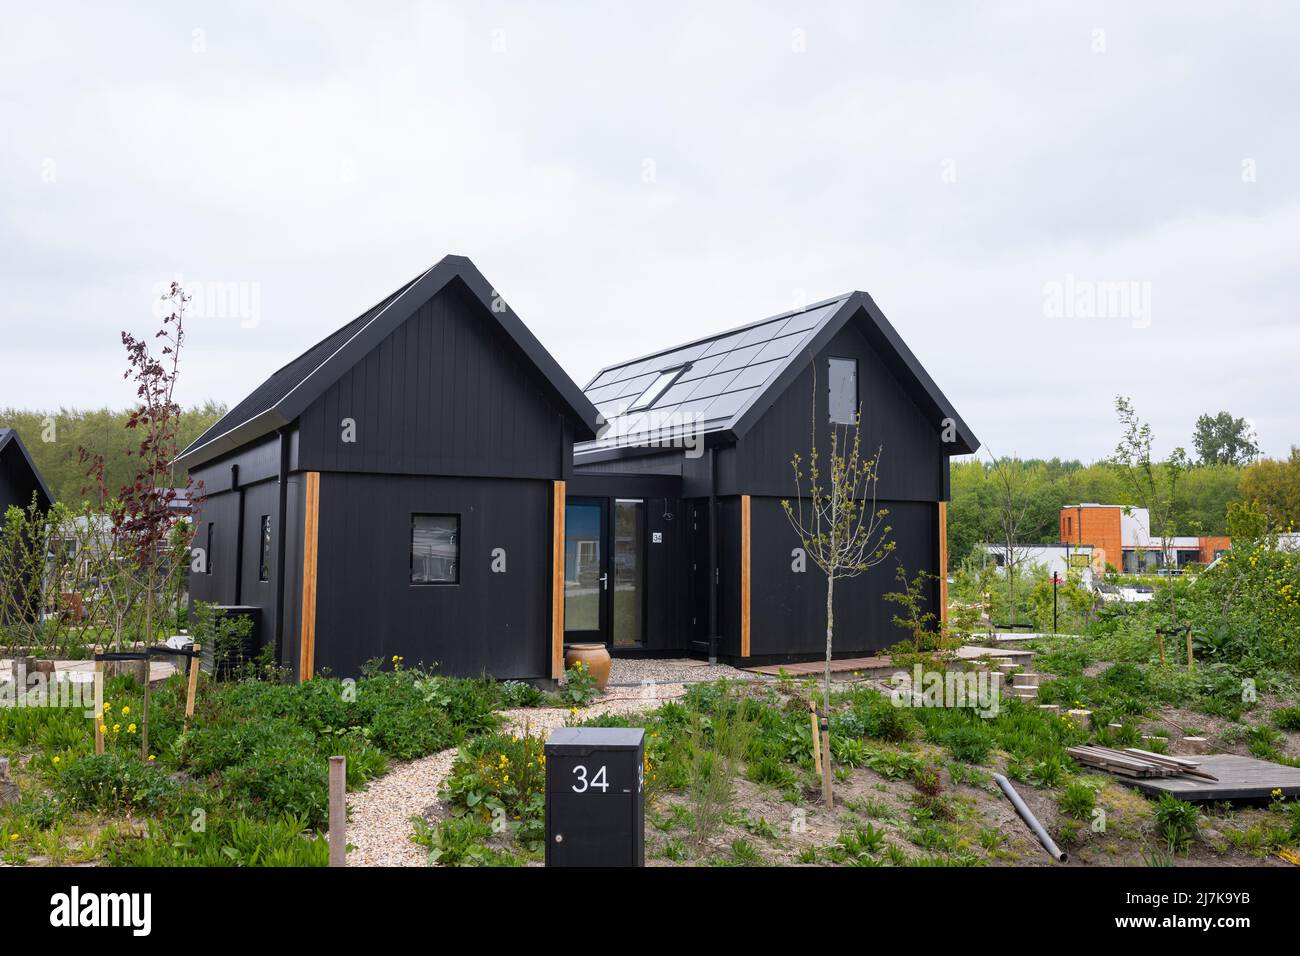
(629, 571)
(586, 571)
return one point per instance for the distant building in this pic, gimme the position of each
(1120, 536)
(1067, 560)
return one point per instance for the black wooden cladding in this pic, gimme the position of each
(366, 606)
(444, 394)
(913, 456)
(19, 476)
(788, 608)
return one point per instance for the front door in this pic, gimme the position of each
(586, 571)
(604, 561)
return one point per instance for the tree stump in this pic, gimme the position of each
(8, 789)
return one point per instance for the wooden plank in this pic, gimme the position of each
(557, 580)
(745, 580)
(943, 563)
(310, 553)
(1240, 778)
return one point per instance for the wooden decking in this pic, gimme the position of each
(1240, 778)
(873, 666)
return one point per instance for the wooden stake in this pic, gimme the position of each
(193, 688)
(816, 738)
(99, 700)
(144, 717)
(1160, 643)
(828, 791)
(338, 812)
(1191, 661)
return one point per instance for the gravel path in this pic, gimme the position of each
(379, 827)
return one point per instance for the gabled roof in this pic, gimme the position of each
(728, 380)
(289, 391)
(8, 437)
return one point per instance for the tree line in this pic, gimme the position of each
(54, 439)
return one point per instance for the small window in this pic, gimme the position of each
(207, 555)
(264, 565)
(435, 549)
(843, 376)
(657, 388)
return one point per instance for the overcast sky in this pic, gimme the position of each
(630, 176)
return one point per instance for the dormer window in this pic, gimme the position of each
(657, 388)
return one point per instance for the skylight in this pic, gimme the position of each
(656, 388)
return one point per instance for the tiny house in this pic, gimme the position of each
(427, 483)
(683, 488)
(20, 479)
(397, 489)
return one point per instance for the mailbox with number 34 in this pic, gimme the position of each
(595, 797)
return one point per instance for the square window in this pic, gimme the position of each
(843, 376)
(435, 549)
(656, 388)
(208, 556)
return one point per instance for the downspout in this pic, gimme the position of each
(282, 523)
(713, 555)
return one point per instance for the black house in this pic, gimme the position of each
(680, 496)
(428, 483)
(19, 476)
(398, 489)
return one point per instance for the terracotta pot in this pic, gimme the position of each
(595, 656)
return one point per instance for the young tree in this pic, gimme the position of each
(837, 521)
(1011, 481)
(141, 554)
(1224, 440)
(1153, 484)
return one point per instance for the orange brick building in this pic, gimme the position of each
(1121, 537)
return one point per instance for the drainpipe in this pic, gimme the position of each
(239, 535)
(282, 523)
(713, 555)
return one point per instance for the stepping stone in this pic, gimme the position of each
(1050, 708)
(1195, 745)
(1081, 717)
(1025, 680)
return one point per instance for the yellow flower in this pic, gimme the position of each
(57, 759)
(116, 728)
(13, 836)
(125, 710)
(152, 758)
(130, 728)
(103, 729)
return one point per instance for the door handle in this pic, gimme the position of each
(604, 581)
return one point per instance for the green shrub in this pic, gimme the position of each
(579, 685)
(517, 693)
(771, 771)
(280, 781)
(460, 841)
(225, 840)
(1176, 821)
(502, 778)
(1287, 718)
(114, 782)
(970, 743)
(1078, 801)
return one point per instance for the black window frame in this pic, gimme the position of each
(207, 557)
(455, 516)
(665, 379)
(830, 386)
(264, 558)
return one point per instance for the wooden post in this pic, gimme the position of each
(1160, 644)
(746, 579)
(816, 738)
(1191, 661)
(144, 717)
(310, 555)
(828, 790)
(193, 688)
(558, 498)
(99, 700)
(338, 812)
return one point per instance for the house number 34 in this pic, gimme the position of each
(598, 782)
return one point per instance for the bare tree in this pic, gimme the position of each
(1153, 484)
(1011, 483)
(837, 521)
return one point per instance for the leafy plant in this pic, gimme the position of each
(1176, 821)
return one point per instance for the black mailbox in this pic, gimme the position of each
(595, 797)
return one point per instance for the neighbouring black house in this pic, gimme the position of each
(680, 497)
(398, 489)
(427, 482)
(19, 476)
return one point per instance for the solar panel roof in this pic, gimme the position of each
(721, 375)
